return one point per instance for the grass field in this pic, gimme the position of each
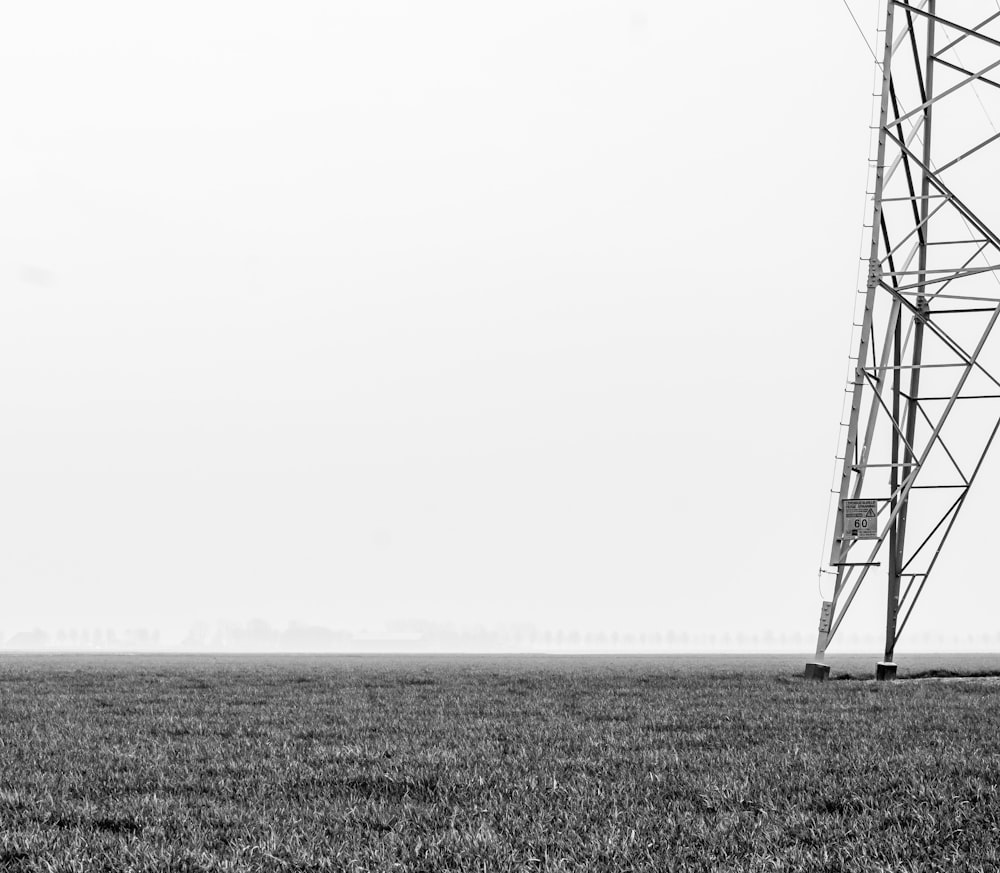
(195, 763)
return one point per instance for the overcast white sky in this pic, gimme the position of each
(363, 315)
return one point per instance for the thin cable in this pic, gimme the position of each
(975, 90)
(865, 38)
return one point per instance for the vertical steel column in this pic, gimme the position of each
(895, 554)
(899, 530)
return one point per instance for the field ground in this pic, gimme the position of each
(125, 763)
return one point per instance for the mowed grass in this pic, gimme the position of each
(488, 764)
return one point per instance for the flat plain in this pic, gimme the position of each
(124, 763)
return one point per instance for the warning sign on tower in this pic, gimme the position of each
(860, 520)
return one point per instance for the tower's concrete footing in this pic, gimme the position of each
(885, 670)
(816, 670)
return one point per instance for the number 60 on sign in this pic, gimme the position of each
(860, 520)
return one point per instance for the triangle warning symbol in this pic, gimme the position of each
(870, 514)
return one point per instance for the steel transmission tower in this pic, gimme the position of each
(923, 399)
